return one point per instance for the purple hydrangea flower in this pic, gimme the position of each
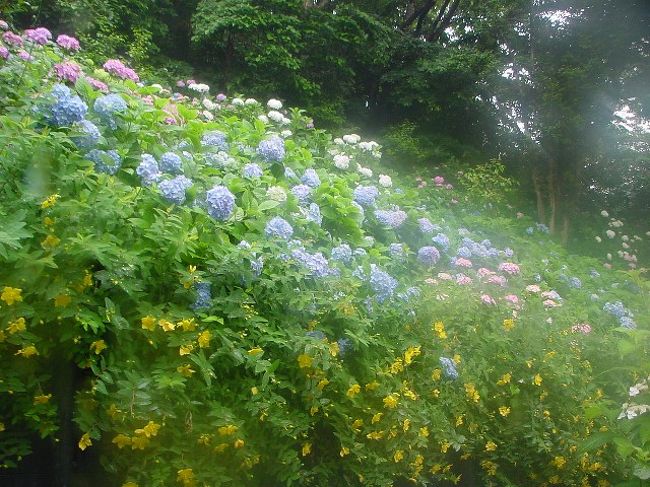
(4, 52)
(315, 264)
(428, 255)
(342, 253)
(119, 69)
(252, 171)
(67, 42)
(310, 178)
(391, 218)
(108, 162)
(12, 39)
(271, 149)
(221, 202)
(40, 35)
(396, 250)
(425, 225)
(381, 283)
(67, 71)
(171, 163)
(302, 192)
(366, 195)
(148, 170)
(278, 227)
(174, 189)
(441, 240)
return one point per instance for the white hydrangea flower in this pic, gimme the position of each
(276, 193)
(351, 139)
(610, 233)
(339, 141)
(625, 245)
(341, 161)
(209, 104)
(238, 102)
(609, 256)
(369, 146)
(274, 104)
(275, 116)
(207, 115)
(604, 213)
(286, 133)
(285, 121)
(625, 238)
(250, 101)
(364, 171)
(598, 239)
(199, 87)
(385, 181)
(263, 118)
(158, 87)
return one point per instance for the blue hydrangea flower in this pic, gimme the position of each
(214, 140)
(542, 228)
(410, 293)
(257, 265)
(425, 225)
(67, 108)
(508, 252)
(530, 230)
(107, 106)
(360, 273)
(391, 218)
(448, 368)
(428, 255)
(290, 173)
(108, 162)
(617, 309)
(316, 264)
(345, 345)
(90, 137)
(396, 250)
(278, 227)
(381, 283)
(464, 252)
(486, 243)
(203, 296)
(366, 195)
(310, 178)
(271, 149)
(221, 202)
(627, 322)
(252, 170)
(302, 192)
(342, 253)
(360, 252)
(362, 212)
(244, 245)
(442, 241)
(316, 334)
(313, 214)
(219, 159)
(171, 163)
(148, 170)
(594, 273)
(575, 283)
(173, 190)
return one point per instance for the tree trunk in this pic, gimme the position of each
(541, 207)
(552, 194)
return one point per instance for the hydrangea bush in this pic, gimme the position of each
(246, 303)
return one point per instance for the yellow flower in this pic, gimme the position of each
(204, 339)
(139, 442)
(505, 379)
(255, 351)
(435, 393)
(313, 410)
(490, 446)
(3, 337)
(559, 462)
(185, 349)
(221, 447)
(186, 477)
(406, 424)
(399, 456)
(11, 295)
(42, 399)
(148, 323)
(255, 391)
(239, 443)
(204, 439)
(50, 242)
(489, 467)
(150, 430)
(439, 328)
(16, 326)
(424, 432)
(321, 385)
(185, 370)
(166, 325)
(444, 446)
(391, 401)
(187, 324)
(472, 393)
(456, 359)
(436, 374)
(304, 361)
(376, 418)
(50, 201)
(129, 484)
(357, 424)
(85, 442)
(410, 353)
(306, 449)
(121, 440)
(397, 366)
(508, 324)
(87, 280)
(62, 300)
(98, 346)
(227, 430)
(504, 411)
(537, 380)
(344, 451)
(48, 222)
(375, 435)
(354, 390)
(334, 349)
(459, 420)
(371, 386)
(28, 351)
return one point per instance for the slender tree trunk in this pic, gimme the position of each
(541, 207)
(552, 194)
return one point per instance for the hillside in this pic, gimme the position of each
(222, 294)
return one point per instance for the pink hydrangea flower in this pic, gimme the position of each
(170, 121)
(221, 97)
(40, 35)
(119, 69)
(148, 100)
(512, 298)
(483, 272)
(68, 71)
(487, 299)
(98, 85)
(549, 303)
(449, 186)
(463, 280)
(584, 328)
(498, 280)
(12, 39)
(533, 288)
(4, 25)
(462, 262)
(24, 55)
(444, 276)
(180, 83)
(68, 42)
(438, 180)
(509, 267)
(190, 82)
(4, 52)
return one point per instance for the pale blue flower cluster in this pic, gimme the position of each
(257, 265)
(171, 163)
(173, 190)
(148, 170)
(271, 149)
(278, 227)
(214, 140)
(410, 293)
(310, 178)
(344, 346)
(426, 226)
(252, 171)
(391, 218)
(448, 368)
(90, 135)
(107, 106)
(442, 241)
(108, 162)
(220, 202)
(315, 264)
(302, 192)
(67, 108)
(290, 173)
(623, 315)
(203, 296)
(342, 253)
(396, 250)
(366, 195)
(471, 248)
(428, 255)
(381, 283)
(219, 159)
(312, 214)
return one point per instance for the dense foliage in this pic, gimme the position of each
(220, 294)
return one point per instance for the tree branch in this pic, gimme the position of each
(435, 34)
(418, 13)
